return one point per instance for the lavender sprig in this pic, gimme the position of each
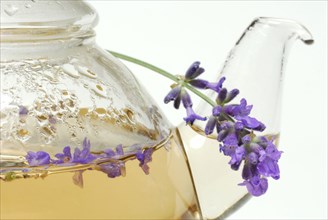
(235, 130)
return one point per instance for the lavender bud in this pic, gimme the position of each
(239, 126)
(222, 95)
(246, 139)
(222, 135)
(172, 95)
(217, 110)
(199, 83)
(186, 100)
(194, 70)
(231, 95)
(210, 125)
(177, 102)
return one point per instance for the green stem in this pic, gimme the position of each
(163, 73)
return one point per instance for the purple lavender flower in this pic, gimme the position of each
(83, 156)
(64, 157)
(240, 110)
(237, 157)
(231, 95)
(204, 84)
(194, 71)
(113, 169)
(173, 95)
(256, 186)
(109, 153)
(192, 116)
(222, 95)
(217, 86)
(119, 150)
(117, 153)
(144, 158)
(186, 100)
(240, 113)
(199, 83)
(37, 159)
(249, 169)
(227, 133)
(251, 123)
(211, 123)
(268, 165)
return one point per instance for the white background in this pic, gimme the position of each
(173, 34)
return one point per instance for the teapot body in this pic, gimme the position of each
(64, 97)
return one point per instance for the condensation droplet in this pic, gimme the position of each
(27, 6)
(22, 132)
(65, 92)
(99, 90)
(23, 135)
(85, 71)
(11, 10)
(70, 70)
(99, 87)
(83, 111)
(101, 111)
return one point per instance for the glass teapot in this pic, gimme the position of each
(63, 95)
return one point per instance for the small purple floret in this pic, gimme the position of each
(113, 169)
(216, 86)
(37, 159)
(119, 150)
(186, 100)
(64, 157)
(211, 123)
(192, 116)
(194, 71)
(109, 153)
(199, 83)
(268, 165)
(231, 95)
(83, 156)
(222, 95)
(251, 123)
(144, 158)
(237, 157)
(173, 94)
(256, 186)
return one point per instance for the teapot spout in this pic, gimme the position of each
(256, 66)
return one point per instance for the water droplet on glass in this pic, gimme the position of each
(85, 71)
(27, 6)
(99, 90)
(23, 135)
(70, 70)
(101, 111)
(11, 10)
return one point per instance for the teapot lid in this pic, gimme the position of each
(69, 16)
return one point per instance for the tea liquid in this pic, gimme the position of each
(166, 193)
